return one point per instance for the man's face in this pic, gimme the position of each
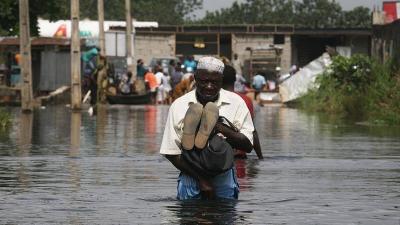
(208, 84)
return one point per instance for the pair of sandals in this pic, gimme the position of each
(195, 115)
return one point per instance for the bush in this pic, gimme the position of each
(357, 87)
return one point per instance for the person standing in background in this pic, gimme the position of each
(166, 89)
(176, 77)
(151, 82)
(141, 70)
(228, 84)
(237, 64)
(190, 64)
(159, 74)
(259, 83)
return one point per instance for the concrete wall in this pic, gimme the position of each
(241, 41)
(148, 46)
(286, 60)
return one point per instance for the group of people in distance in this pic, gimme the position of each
(191, 120)
(167, 84)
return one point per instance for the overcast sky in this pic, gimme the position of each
(212, 5)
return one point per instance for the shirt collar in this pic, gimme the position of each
(222, 100)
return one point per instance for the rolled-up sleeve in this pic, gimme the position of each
(170, 142)
(247, 127)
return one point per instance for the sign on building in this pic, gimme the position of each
(392, 11)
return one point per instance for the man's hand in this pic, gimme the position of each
(235, 139)
(206, 189)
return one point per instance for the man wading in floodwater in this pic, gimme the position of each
(201, 107)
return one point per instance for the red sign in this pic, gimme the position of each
(392, 11)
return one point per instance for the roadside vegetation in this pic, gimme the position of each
(5, 119)
(304, 13)
(358, 87)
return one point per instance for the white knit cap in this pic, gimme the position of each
(211, 64)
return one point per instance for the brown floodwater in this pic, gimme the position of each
(58, 167)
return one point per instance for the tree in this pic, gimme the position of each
(169, 12)
(8, 17)
(318, 13)
(233, 15)
(164, 12)
(358, 17)
(254, 12)
(9, 14)
(305, 13)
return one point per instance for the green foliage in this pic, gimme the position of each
(5, 119)
(9, 14)
(352, 73)
(357, 87)
(318, 13)
(8, 17)
(384, 96)
(172, 12)
(306, 13)
(359, 17)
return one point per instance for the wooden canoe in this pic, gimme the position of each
(133, 99)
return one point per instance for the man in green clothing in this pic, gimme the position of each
(141, 70)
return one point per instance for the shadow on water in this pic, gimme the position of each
(203, 212)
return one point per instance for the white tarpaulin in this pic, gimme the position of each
(299, 83)
(87, 28)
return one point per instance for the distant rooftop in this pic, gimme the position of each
(251, 28)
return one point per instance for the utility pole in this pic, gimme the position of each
(26, 58)
(102, 74)
(129, 37)
(75, 57)
(100, 11)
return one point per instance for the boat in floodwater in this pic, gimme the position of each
(132, 99)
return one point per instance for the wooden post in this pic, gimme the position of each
(129, 37)
(100, 11)
(26, 60)
(102, 74)
(76, 94)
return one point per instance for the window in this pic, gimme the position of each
(279, 39)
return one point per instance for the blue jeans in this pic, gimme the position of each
(225, 186)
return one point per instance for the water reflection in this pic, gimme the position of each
(203, 212)
(25, 133)
(246, 170)
(101, 122)
(150, 128)
(75, 134)
(60, 167)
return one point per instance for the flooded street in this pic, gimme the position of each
(58, 167)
